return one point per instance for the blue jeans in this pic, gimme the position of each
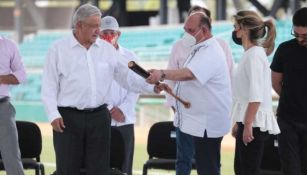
(185, 152)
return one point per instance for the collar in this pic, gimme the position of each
(74, 42)
(204, 43)
(120, 48)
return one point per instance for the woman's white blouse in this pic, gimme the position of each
(252, 83)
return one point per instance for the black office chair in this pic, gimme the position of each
(30, 143)
(161, 147)
(117, 154)
(270, 164)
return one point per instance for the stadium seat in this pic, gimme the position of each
(161, 147)
(30, 143)
(270, 164)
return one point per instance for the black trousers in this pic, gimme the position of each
(208, 155)
(85, 141)
(127, 132)
(248, 158)
(292, 145)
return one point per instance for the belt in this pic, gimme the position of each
(4, 99)
(86, 110)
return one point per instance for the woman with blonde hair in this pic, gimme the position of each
(252, 104)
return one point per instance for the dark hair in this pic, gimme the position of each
(204, 20)
(199, 8)
(257, 28)
(300, 17)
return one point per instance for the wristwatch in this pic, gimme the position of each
(162, 75)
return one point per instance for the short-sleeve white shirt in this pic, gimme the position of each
(209, 94)
(252, 83)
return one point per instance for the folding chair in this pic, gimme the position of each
(30, 143)
(161, 147)
(270, 164)
(117, 154)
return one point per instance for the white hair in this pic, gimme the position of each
(83, 12)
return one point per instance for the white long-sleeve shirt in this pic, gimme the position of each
(124, 99)
(77, 77)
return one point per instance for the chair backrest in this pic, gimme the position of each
(30, 139)
(117, 152)
(161, 141)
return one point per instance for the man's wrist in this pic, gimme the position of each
(162, 75)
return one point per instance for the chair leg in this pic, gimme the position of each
(42, 169)
(145, 169)
(37, 170)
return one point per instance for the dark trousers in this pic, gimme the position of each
(208, 155)
(248, 158)
(292, 145)
(127, 132)
(85, 141)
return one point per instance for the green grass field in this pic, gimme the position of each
(140, 156)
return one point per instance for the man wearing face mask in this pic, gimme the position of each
(179, 54)
(205, 82)
(122, 100)
(289, 80)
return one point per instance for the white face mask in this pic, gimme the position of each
(189, 40)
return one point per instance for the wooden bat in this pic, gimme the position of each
(143, 73)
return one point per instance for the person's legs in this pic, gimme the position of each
(288, 146)
(249, 156)
(127, 132)
(303, 149)
(9, 146)
(97, 142)
(207, 155)
(185, 152)
(237, 160)
(69, 145)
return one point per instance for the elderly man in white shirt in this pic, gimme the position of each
(123, 100)
(78, 73)
(205, 82)
(179, 54)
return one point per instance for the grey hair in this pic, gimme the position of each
(83, 12)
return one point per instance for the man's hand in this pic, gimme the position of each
(155, 76)
(162, 87)
(234, 130)
(117, 114)
(1, 80)
(58, 124)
